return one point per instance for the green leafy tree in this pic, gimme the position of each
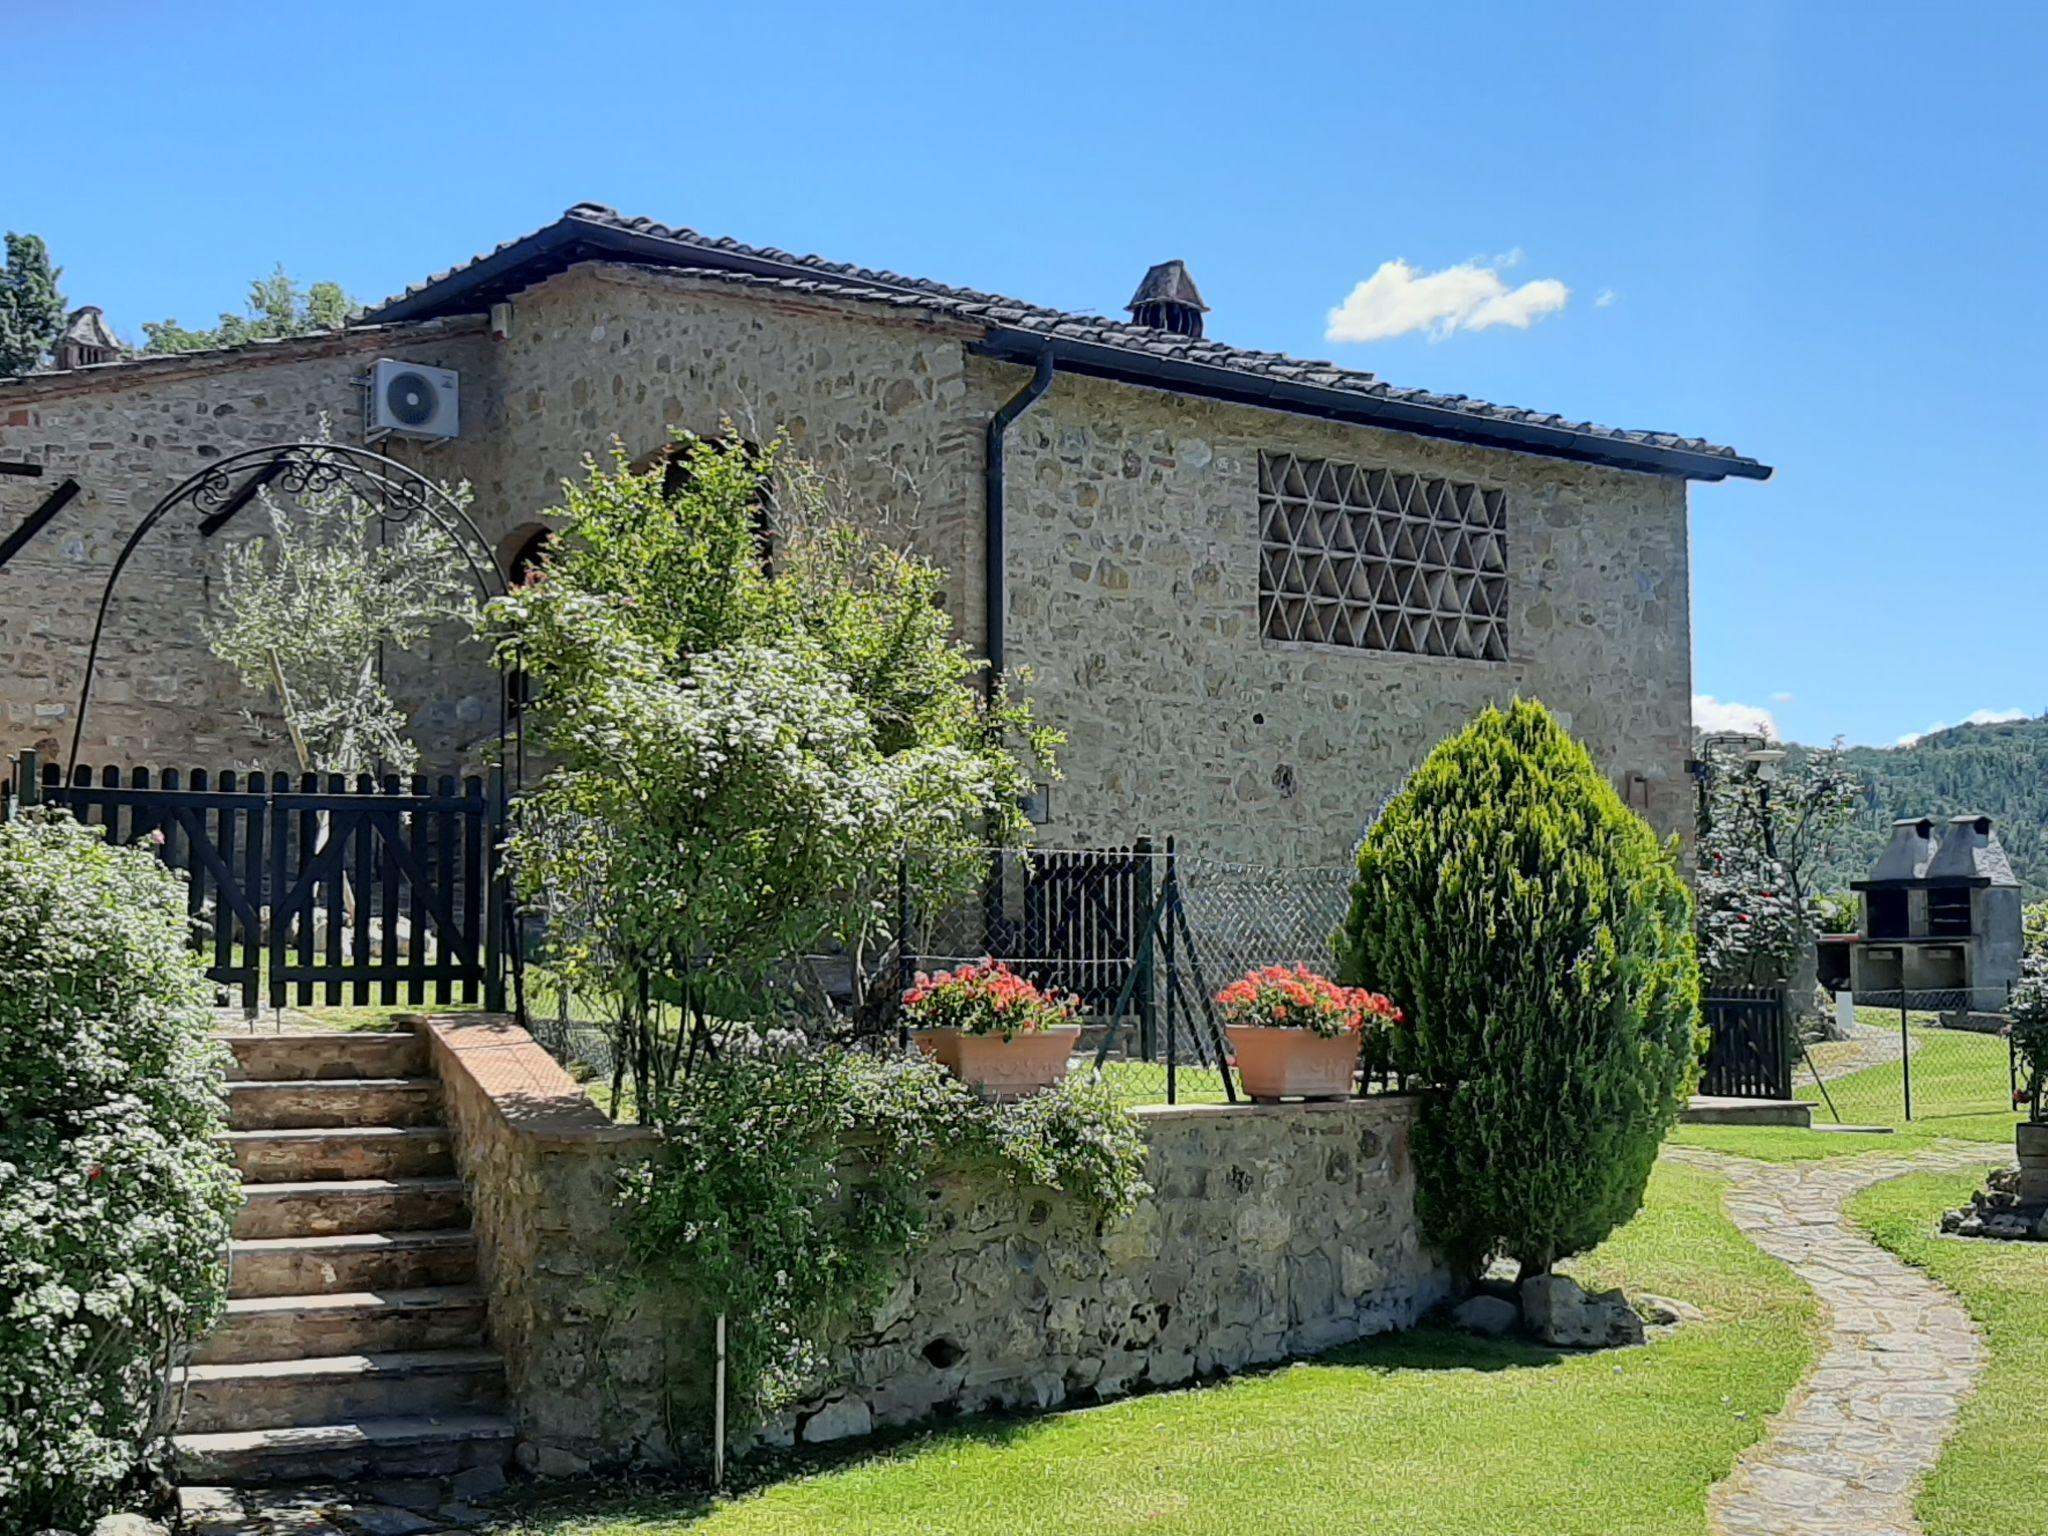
(115, 1188)
(278, 307)
(1539, 938)
(1765, 839)
(308, 609)
(31, 308)
(739, 753)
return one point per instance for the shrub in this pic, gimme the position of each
(986, 998)
(1280, 998)
(1540, 938)
(787, 1190)
(115, 1195)
(2028, 1010)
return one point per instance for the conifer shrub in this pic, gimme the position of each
(1539, 937)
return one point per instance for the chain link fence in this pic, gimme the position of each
(1144, 937)
(1932, 1058)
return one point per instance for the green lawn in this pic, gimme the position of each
(1962, 1091)
(1990, 1477)
(1426, 1434)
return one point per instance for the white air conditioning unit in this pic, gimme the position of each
(413, 400)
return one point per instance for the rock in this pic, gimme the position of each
(1490, 1315)
(389, 1520)
(550, 1460)
(840, 1419)
(476, 1483)
(1558, 1311)
(1664, 1312)
(409, 1492)
(128, 1525)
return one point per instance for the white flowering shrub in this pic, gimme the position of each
(741, 748)
(115, 1192)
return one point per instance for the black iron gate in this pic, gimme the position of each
(316, 886)
(1749, 1044)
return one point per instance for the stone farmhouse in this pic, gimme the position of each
(1253, 590)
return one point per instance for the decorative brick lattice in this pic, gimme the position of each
(1382, 561)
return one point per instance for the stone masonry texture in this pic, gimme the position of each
(1274, 1231)
(1132, 557)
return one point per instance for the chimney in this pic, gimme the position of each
(1971, 853)
(86, 340)
(1168, 300)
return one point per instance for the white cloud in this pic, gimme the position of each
(1712, 714)
(1781, 698)
(1606, 299)
(1974, 717)
(1398, 299)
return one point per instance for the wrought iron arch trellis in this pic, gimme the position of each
(397, 493)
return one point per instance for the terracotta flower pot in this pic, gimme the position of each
(1004, 1069)
(1293, 1063)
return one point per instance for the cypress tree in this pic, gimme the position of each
(31, 308)
(1539, 937)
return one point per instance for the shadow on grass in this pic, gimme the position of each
(674, 1499)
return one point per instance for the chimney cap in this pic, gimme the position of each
(1168, 282)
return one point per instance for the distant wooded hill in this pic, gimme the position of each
(2000, 770)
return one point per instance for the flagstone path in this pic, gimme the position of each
(1847, 1454)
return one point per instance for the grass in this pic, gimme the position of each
(1990, 1475)
(1426, 1433)
(1962, 1091)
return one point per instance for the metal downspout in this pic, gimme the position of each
(993, 584)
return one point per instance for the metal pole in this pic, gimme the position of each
(1905, 1049)
(905, 960)
(1172, 976)
(718, 1412)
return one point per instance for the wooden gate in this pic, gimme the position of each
(314, 885)
(1749, 1045)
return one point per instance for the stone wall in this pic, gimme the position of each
(1134, 572)
(1275, 1231)
(1133, 550)
(584, 1353)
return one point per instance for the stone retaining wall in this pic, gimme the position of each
(1274, 1231)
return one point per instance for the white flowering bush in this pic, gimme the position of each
(115, 1193)
(741, 748)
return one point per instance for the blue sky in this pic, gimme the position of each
(1803, 229)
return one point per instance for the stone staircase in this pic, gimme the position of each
(353, 1344)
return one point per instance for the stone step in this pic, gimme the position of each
(326, 1103)
(326, 1207)
(424, 1445)
(336, 1389)
(353, 1152)
(357, 1261)
(344, 1323)
(304, 1054)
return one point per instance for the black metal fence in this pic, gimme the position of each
(1750, 1045)
(312, 887)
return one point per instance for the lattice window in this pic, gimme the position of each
(1380, 561)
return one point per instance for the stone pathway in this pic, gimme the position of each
(1870, 1045)
(1847, 1454)
(414, 1506)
